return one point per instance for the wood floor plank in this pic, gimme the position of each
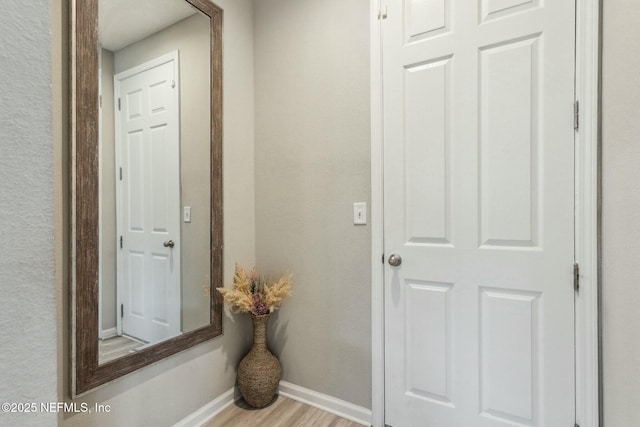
(283, 412)
(116, 347)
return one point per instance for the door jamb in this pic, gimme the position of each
(377, 220)
(587, 176)
(587, 181)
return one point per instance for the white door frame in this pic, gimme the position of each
(586, 225)
(100, 165)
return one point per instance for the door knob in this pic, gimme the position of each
(395, 260)
(169, 244)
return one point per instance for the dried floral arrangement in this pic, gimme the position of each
(255, 295)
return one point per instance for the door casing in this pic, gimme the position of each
(587, 184)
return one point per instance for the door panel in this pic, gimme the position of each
(509, 349)
(509, 129)
(428, 141)
(478, 196)
(497, 8)
(425, 18)
(429, 342)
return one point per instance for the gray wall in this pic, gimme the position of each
(28, 368)
(621, 212)
(164, 393)
(108, 261)
(312, 163)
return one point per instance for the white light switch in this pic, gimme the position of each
(187, 214)
(359, 213)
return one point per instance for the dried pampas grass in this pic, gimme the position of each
(251, 294)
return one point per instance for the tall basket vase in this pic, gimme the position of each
(259, 371)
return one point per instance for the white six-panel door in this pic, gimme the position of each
(148, 195)
(478, 203)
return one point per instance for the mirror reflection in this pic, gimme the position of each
(154, 184)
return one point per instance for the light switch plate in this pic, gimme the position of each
(187, 214)
(360, 213)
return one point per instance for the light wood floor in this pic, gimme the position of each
(283, 412)
(115, 347)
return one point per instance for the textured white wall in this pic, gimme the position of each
(312, 163)
(28, 369)
(166, 392)
(621, 212)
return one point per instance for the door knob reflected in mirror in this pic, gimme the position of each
(169, 244)
(395, 260)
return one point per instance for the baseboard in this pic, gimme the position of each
(109, 333)
(208, 411)
(327, 403)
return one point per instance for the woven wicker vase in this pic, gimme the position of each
(259, 371)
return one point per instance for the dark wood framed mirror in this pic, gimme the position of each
(89, 370)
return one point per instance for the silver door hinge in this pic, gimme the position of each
(576, 115)
(120, 242)
(381, 14)
(121, 310)
(120, 174)
(383, 258)
(100, 101)
(576, 278)
(119, 104)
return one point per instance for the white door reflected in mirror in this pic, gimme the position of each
(147, 189)
(155, 156)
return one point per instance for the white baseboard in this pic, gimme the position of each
(327, 403)
(109, 333)
(208, 411)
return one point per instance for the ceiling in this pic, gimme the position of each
(123, 22)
